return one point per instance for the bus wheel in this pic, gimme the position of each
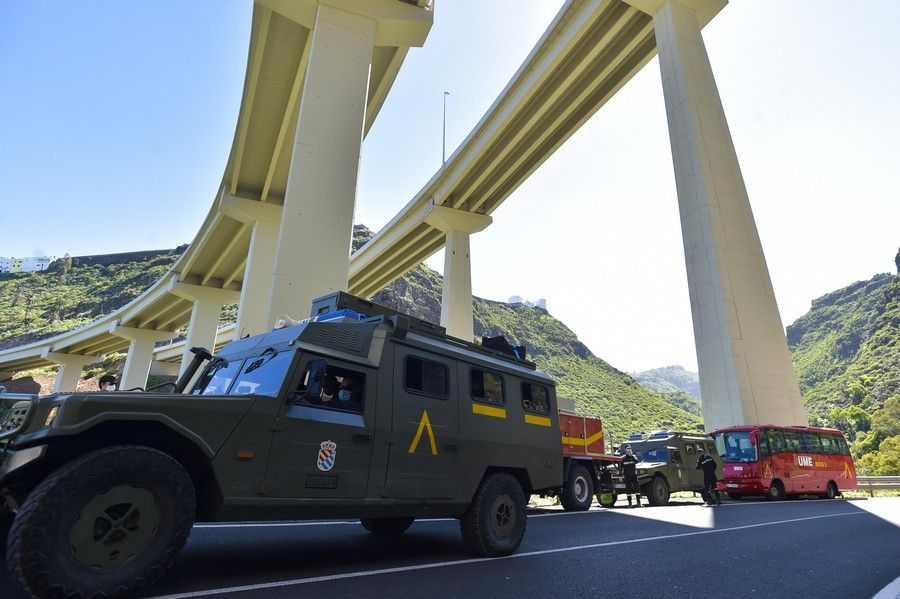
(494, 524)
(386, 527)
(830, 491)
(657, 491)
(776, 491)
(606, 499)
(577, 490)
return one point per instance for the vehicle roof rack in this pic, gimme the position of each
(341, 300)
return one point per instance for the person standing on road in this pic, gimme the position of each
(706, 463)
(629, 471)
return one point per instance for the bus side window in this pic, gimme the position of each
(811, 443)
(792, 441)
(776, 441)
(842, 443)
(828, 444)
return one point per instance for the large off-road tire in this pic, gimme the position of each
(494, 523)
(776, 491)
(104, 525)
(578, 490)
(657, 491)
(387, 527)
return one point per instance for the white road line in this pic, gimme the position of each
(461, 562)
(891, 591)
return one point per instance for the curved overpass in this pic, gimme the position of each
(253, 185)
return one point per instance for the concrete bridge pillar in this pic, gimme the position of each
(70, 367)
(140, 354)
(253, 308)
(208, 302)
(456, 300)
(746, 374)
(312, 256)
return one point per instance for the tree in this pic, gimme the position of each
(885, 461)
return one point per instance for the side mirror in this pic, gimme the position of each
(315, 376)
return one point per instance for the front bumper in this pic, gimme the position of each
(12, 460)
(737, 485)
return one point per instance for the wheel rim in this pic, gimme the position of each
(775, 491)
(503, 516)
(580, 487)
(660, 491)
(114, 527)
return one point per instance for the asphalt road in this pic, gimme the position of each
(787, 549)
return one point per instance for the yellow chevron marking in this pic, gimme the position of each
(424, 424)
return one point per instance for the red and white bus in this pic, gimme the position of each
(779, 461)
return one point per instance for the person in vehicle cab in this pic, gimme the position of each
(348, 394)
(629, 471)
(329, 389)
(706, 463)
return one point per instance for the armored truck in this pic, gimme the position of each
(355, 412)
(668, 463)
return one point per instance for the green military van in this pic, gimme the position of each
(668, 463)
(356, 412)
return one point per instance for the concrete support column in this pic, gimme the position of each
(69, 372)
(253, 308)
(204, 322)
(313, 251)
(456, 300)
(746, 374)
(158, 368)
(140, 354)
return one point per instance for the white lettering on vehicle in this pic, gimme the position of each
(804, 460)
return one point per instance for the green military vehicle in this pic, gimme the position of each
(668, 463)
(357, 412)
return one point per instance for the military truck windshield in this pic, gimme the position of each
(735, 446)
(217, 377)
(263, 375)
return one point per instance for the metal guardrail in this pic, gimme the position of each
(877, 483)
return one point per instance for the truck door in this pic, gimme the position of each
(424, 449)
(322, 444)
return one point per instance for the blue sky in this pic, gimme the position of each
(116, 120)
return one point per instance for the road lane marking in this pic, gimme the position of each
(891, 591)
(475, 560)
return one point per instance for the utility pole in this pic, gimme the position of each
(444, 137)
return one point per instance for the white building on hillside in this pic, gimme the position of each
(25, 264)
(517, 299)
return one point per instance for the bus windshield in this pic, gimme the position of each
(735, 447)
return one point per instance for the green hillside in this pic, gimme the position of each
(846, 352)
(74, 291)
(680, 387)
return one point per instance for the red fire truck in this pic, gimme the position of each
(778, 461)
(588, 469)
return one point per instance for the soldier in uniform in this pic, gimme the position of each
(629, 471)
(706, 463)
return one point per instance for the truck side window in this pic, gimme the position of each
(535, 398)
(427, 377)
(689, 448)
(342, 389)
(487, 386)
(263, 375)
